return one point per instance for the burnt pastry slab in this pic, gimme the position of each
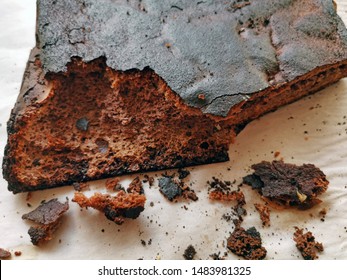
(115, 87)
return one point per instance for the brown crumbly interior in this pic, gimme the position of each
(96, 122)
(116, 208)
(306, 244)
(246, 243)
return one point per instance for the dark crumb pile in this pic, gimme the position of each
(246, 244)
(113, 184)
(4, 254)
(306, 244)
(288, 184)
(47, 217)
(189, 253)
(217, 256)
(264, 213)
(173, 188)
(116, 208)
(135, 186)
(149, 180)
(222, 190)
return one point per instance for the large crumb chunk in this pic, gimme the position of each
(47, 217)
(288, 184)
(4, 254)
(246, 244)
(115, 208)
(306, 244)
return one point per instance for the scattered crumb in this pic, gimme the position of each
(276, 154)
(216, 256)
(29, 196)
(116, 208)
(17, 253)
(189, 253)
(223, 191)
(264, 213)
(169, 188)
(143, 243)
(306, 244)
(80, 186)
(4, 254)
(173, 188)
(112, 184)
(47, 216)
(183, 173)
(149, 179)
(135, 186)
(322, 214)
(246, 244)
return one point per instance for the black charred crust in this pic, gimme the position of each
(184, 63)
(116, 169)
(169, 188)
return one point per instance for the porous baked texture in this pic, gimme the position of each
(115, 87)
(116, 208)
(246, 243)
(307, 244)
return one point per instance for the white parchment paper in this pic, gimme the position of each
(313, 130)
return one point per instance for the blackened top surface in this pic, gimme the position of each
(225, 50)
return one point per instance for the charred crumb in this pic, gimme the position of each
(4, 254)
(216, 256)
(246, 243)
(47, 217)
(149, 242)
(288, 184)
(169, 188)
(151, 204)
(116, 208)
(113, 184)
(80, 186)
(189, 253)
(224, 191)
(172, 188)
(148, 179)
(322, 214)
(143, 243)
(306, 244)
(17, 253)
(29, 196)
(183, 173)
(135, 186)
(264, 212)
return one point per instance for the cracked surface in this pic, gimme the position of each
(264, 43)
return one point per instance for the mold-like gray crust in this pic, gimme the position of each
(225, 50)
